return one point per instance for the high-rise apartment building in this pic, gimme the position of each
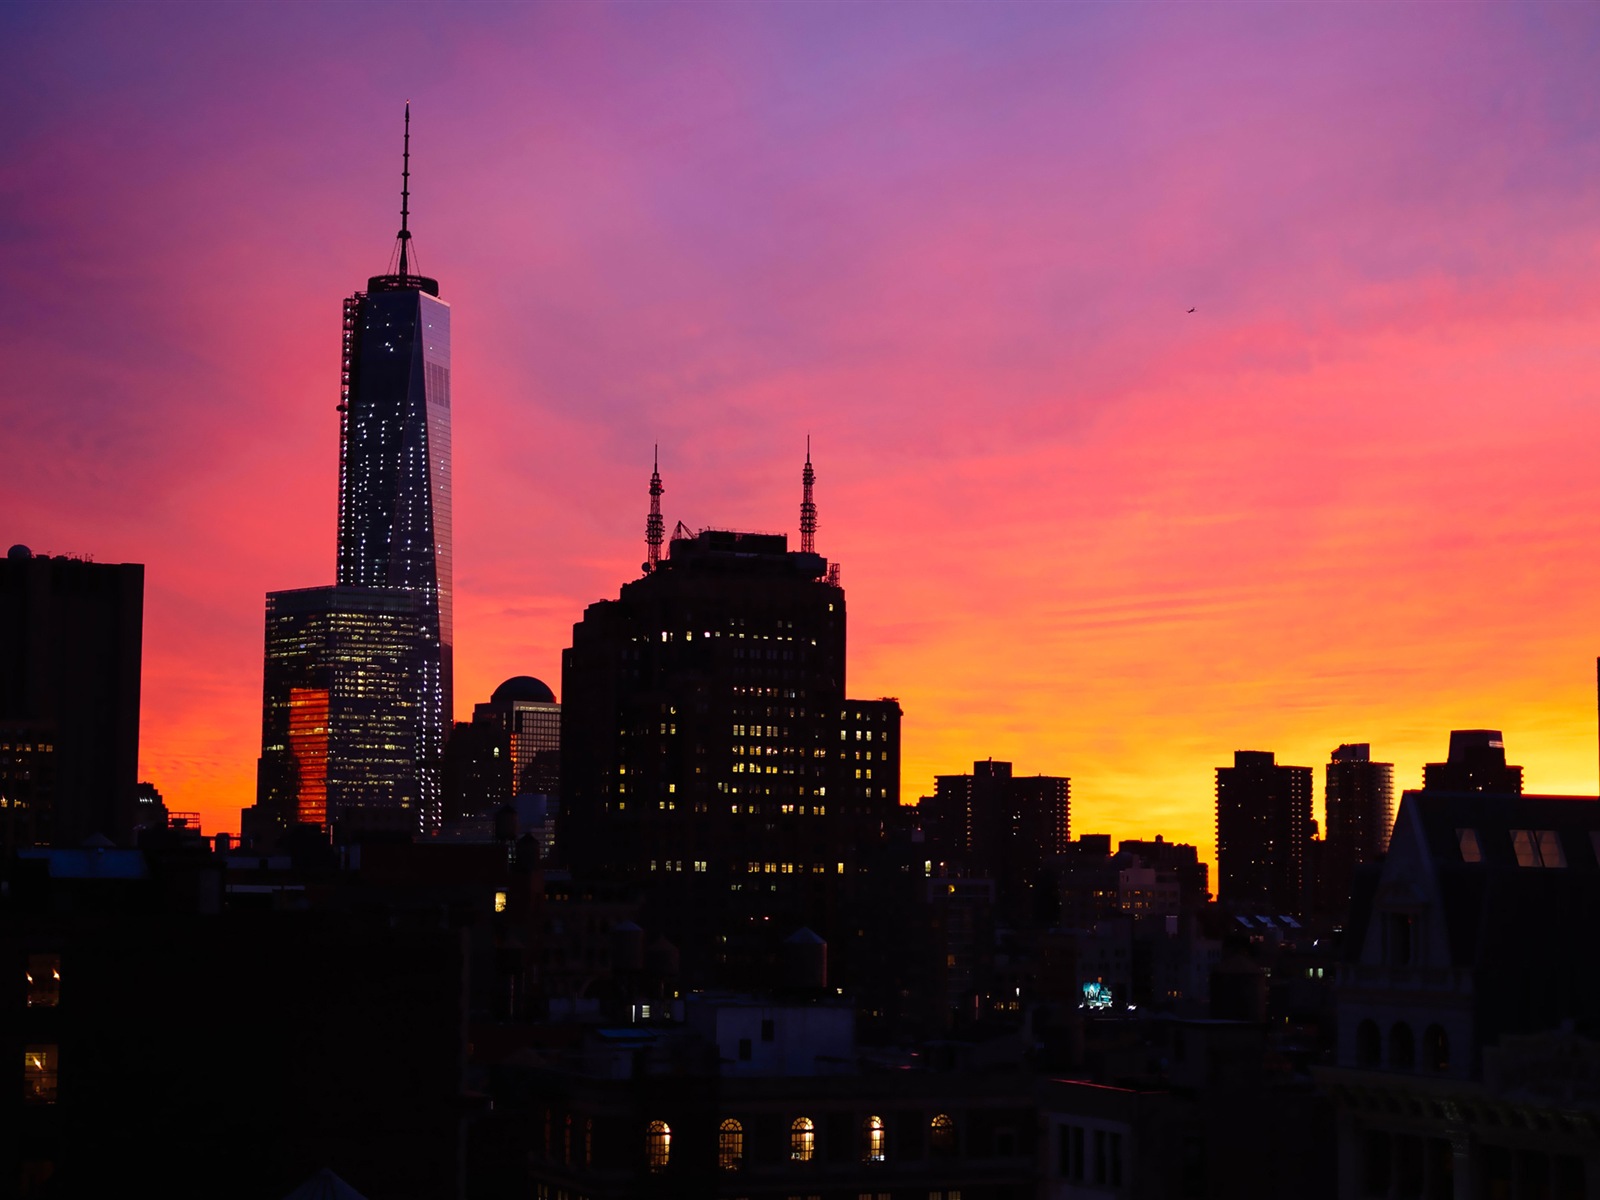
(71, 647)
(1263, 827)
(709, 752)
(346, 668)
(1008, 827)
(1359, 812)
(394, 535)
(1476, 763)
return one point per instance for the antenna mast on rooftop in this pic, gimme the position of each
(653, 528)
(405, 199)
(808, 506)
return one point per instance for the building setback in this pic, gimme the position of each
(1263, 827)
(71, 644)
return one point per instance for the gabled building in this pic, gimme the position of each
(1469, 1008)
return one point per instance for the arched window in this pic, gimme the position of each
(876, 1140)
(802, 1139)
(730, 1145)
(1436, 1049)
(942, 1134)
(1402, 1047)
(1369, 1044)
(658, 1145)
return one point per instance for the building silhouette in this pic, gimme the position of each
(709, 752)
(71, 638)
(1477, 763)
(1467, 1062)
(1005, 826)
(394, 536)
(1263, 829)
(510, 748)
(1359, 808)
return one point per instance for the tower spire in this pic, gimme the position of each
(405, 199)
(653, 527)
(808, 507)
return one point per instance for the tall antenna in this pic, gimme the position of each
(405, 197)
(653, 528)
(808, 506)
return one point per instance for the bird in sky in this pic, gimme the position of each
(1191, 310)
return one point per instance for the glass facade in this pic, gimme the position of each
(350, 714)
(394, 454)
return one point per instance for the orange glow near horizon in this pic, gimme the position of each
(1350, 497)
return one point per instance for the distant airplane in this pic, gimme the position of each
(1191, 310)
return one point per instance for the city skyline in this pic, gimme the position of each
(1347, 499)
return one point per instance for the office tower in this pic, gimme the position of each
(347, 670)
(510, 748)
(1477, 763)
(394, 535)
(708, 749)
(1359, 812)
(1008, 827)
(71, 635)
(1263, 827)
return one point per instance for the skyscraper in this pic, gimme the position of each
(346, 669)
(71, 644)
(709, 752)
(392, 599)
(1008, 827)
(394, 448)
(1263, 827)
(1359, 807)
(510, 748)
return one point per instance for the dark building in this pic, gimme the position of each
(341, 748)
(71, 635)
(1477, 763)
(511, 747)
(1263, 828)
(1469, 1003)
(1359, 807)
(1180, 860)
(1005, 826)
(708, 749)
(394, 535)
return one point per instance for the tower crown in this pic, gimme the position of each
(401, 278)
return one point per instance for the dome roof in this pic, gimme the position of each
(523, 687)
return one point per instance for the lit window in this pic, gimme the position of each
(877, 1139)
(39, 1074)
(658, 1145)
(730, 1145)
(802, 1139)
(44, 980)
(499, 902)
(942, 1134)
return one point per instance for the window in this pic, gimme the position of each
(658, 1145)
(942, 1134)
(1471, 852)
(1436, 1049)
(1538, 848)
(876, 1140)
(730, 1145)
(744, 1050)
(769, 1030)
(44, 980)
(802, 1139)
(39, 1074)
(499, 902)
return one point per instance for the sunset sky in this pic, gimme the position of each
(1353, 496)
